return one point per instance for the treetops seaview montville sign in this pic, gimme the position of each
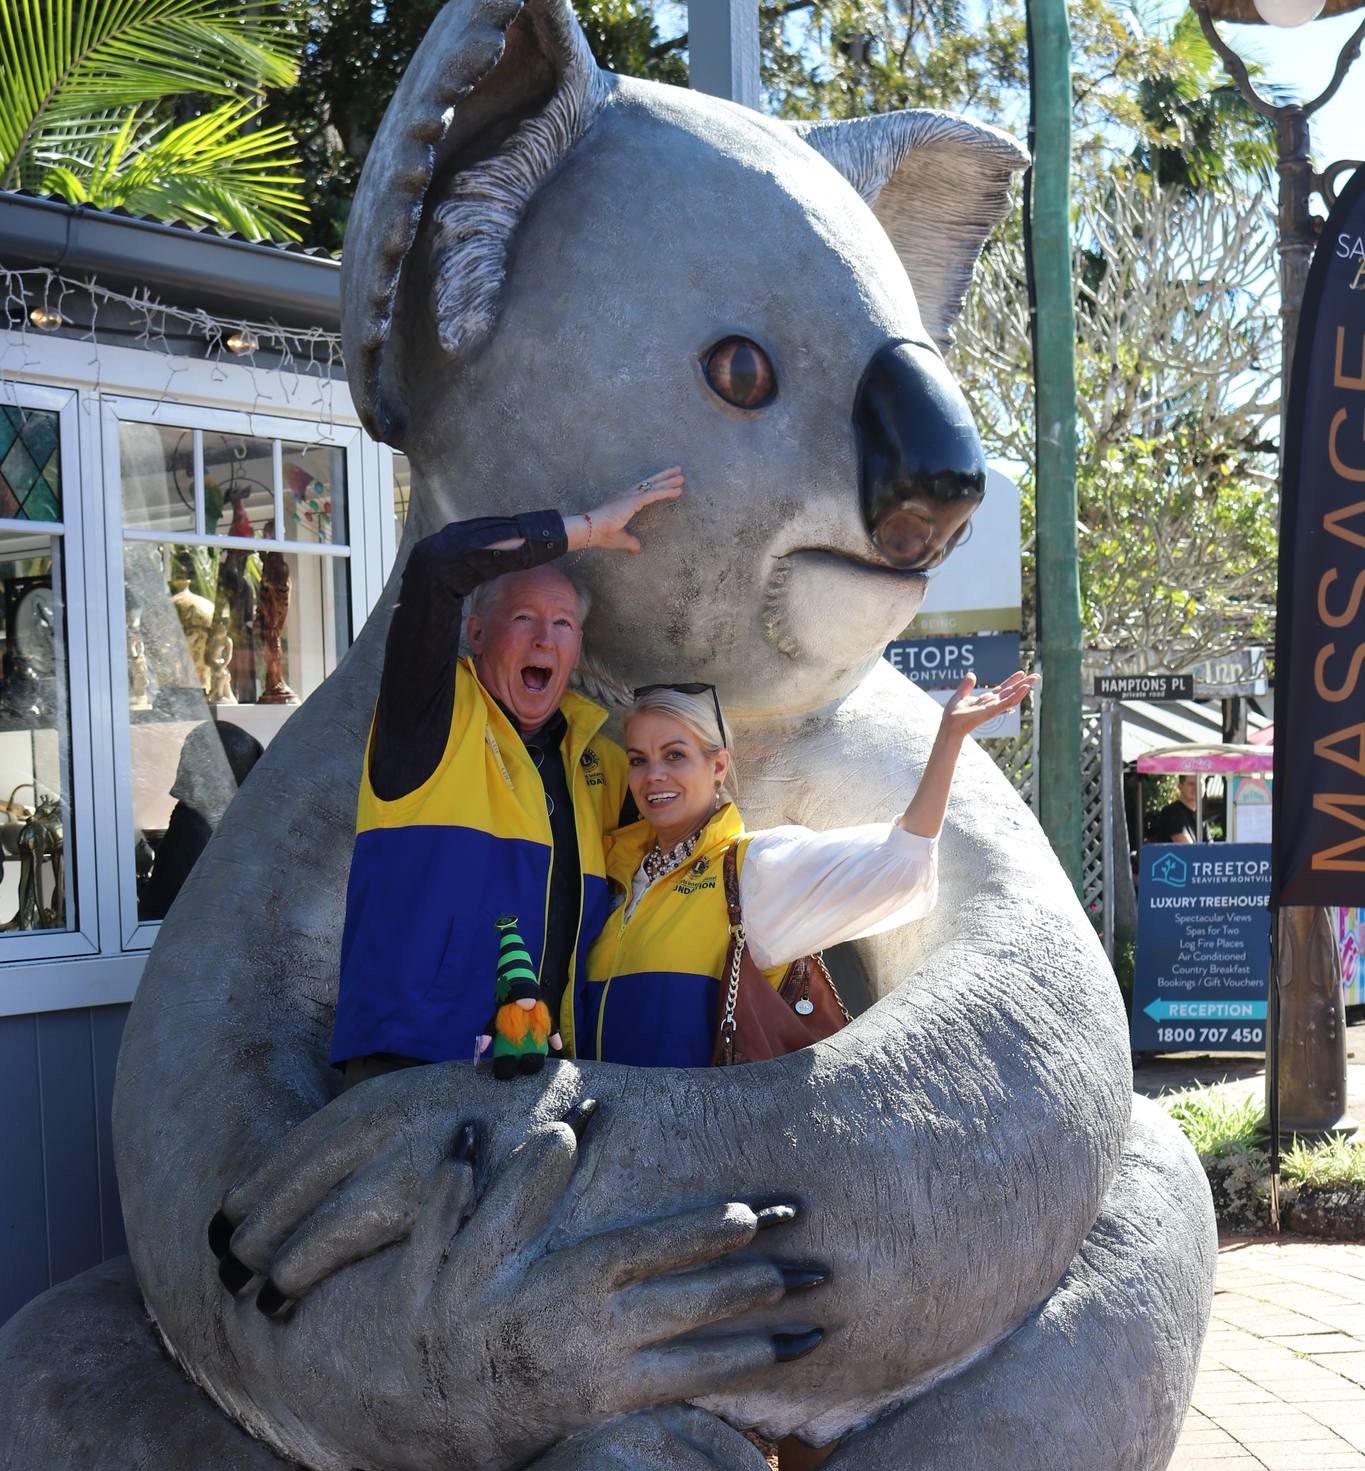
(1319, 789)
(971, 616)
(1203, 948)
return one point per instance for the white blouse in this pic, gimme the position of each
(802, 891)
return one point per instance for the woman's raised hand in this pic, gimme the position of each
(610, 520)
(971, 708)
(968, 709)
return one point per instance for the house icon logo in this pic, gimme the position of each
(1170, 870)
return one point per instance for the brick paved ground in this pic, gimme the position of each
(1282, 1381)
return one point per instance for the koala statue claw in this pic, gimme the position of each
(544, 266)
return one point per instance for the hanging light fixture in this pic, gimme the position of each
(242, 342)
(45, 319)
(1278, 12)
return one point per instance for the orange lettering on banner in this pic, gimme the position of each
(1339, 620)
(1333, 803)
(1332, 521)
(1342, 691)
(1338, 464)
(1339, 378)
(1356, 762)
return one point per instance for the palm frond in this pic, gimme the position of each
(210, 170)
(63, 60)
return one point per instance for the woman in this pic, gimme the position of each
(651, 997)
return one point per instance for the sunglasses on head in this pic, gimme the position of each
(689, 689)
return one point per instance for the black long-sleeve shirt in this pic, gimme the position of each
(417, 696)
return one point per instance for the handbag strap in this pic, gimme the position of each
(735, 958)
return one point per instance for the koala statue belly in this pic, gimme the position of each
(546, 275)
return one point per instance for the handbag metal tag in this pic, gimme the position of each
(804, 1007)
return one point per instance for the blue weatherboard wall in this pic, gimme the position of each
(59, 1207)
(1203, 948)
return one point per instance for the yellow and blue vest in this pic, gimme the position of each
(434, 869)
(652, 996)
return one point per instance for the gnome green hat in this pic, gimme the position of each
(516, 971)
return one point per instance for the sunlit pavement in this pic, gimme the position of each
(1282, 1381)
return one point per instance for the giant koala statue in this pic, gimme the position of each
(541, 260)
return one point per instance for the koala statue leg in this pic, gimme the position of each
(1044, 1399)
(87, 1385)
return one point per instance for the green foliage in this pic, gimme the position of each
(1218, 1122)
(1329, 1164)
(1200, 130)
(1323, 1182)
(87, 89)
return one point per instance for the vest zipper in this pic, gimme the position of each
(606, 990)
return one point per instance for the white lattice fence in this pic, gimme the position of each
(1015, 756)
(1092, 814)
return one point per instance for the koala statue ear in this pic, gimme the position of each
(938, 183)
(496, 95)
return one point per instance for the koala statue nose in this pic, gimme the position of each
(922, 470)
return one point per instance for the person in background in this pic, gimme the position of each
(1176, 822)
(214, 762)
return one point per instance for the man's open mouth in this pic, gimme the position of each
(536, 677)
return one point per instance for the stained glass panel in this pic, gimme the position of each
(30, 465)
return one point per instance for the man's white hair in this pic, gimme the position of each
(484, 600)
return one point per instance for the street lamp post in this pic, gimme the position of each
(1305, 1043)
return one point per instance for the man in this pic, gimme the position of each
(1176, 822)
(486, 791)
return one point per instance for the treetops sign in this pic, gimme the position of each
(1319, 789)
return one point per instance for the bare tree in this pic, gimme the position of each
(1178, 402)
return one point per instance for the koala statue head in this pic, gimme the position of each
(557, 280)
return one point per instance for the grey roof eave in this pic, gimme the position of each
(185, 267)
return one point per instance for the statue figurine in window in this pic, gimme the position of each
(218, 658)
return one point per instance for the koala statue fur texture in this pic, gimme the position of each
(540, 258)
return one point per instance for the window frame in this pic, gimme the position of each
(115, 409)
(80, 820)
(81, 374)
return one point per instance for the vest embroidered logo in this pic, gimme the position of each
(685, 888)
(700, 866)
(589, 759)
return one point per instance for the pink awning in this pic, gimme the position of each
(1176, 760)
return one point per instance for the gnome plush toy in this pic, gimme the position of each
(519, 1032)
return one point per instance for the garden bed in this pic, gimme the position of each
(1322, 1185)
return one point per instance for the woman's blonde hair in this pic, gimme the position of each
(697, 713)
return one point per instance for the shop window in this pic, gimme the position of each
(402, 492)
(236, 603)
(36, 878)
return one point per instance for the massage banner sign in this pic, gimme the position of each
(1319, 788)
(1203, 948)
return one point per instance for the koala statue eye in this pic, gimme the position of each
(738, 371)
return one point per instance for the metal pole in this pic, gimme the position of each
(722, 49)
(1048, 227)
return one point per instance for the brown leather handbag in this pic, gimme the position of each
(756, 1021)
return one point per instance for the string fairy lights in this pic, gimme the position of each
(40, 302)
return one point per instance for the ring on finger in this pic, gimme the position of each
(645, 485)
